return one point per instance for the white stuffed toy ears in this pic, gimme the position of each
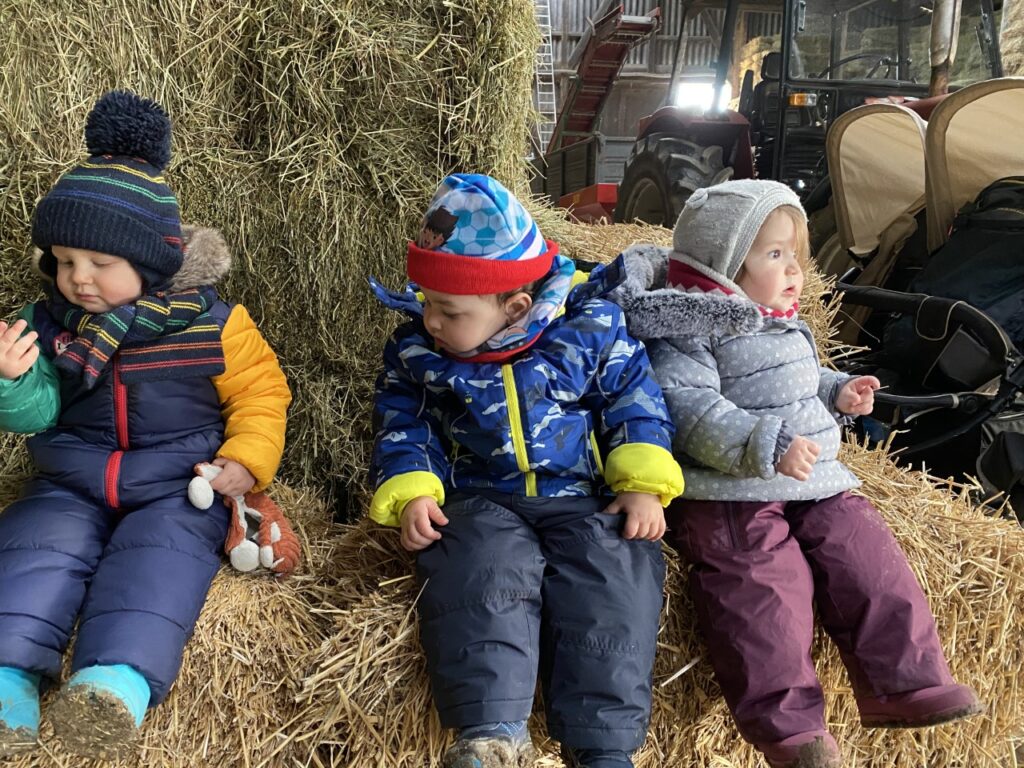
(200, 493)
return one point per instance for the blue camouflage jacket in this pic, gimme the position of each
(576, 414)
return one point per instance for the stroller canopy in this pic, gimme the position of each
(876, 158)
(974, 138)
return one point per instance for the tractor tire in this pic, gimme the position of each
(662, 171)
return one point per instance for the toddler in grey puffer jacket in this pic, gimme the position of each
(766, 519)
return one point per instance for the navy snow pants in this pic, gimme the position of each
(759, 568)
(518, 585)
(135, 579)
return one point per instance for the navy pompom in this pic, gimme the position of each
(122, 123)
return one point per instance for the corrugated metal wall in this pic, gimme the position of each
(641, 89)
(571, 18)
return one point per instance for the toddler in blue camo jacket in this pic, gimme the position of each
(524, 450)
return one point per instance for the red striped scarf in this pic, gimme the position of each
(156, 337)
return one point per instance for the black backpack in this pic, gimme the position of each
(981, 264)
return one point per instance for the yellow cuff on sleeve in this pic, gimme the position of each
(644, 468)
(395, 492)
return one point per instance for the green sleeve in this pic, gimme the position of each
(31, 402)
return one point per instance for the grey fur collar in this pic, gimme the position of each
(206, 258)
(655, 312)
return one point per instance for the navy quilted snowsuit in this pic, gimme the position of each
(104, 532)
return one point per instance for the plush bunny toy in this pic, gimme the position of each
(259, 538)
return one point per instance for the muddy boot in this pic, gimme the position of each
(492, 745)
(99, 710)
(814, 749)
(921, 708)
(19, 711)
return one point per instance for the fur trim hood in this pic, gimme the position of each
(656, 312)
(206, 259)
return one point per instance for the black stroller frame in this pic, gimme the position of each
(973, 408)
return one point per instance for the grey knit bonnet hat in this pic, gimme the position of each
(718, 224)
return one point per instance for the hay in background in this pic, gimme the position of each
(234, 703)
(312, 133)
(1011, 38)
(367, 699)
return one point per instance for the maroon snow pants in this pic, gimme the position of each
(758, 571)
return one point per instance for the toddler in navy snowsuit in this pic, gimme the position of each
(512, 407)
(129, 373)
(767, 520)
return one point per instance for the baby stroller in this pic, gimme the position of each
(952, 376)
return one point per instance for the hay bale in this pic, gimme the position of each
(235, 702)
(368, 703)
(1011, 38)
(313, 133)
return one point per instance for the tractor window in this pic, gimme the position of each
(888, 39)
(864, 41)
(972, 57)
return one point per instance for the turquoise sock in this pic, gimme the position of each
(119, 680)
(19, 699)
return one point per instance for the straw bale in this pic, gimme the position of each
(234, 703)
(368, 704)
(313, 132)
(1011, 37)
(367, 699)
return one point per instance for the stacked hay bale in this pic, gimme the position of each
(1011, 37)
(313, 133)
(367, 699)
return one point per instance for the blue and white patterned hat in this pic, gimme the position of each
(476, 238)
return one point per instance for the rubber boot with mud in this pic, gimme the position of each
(19, 711)
(99, 710)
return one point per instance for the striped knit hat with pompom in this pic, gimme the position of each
(117, 201)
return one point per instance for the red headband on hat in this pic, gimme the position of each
(466, 275)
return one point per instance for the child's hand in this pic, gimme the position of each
(17, 353)
(857, 396)
(233, 480)
(645, 517)
(417, 531)
(798, 461)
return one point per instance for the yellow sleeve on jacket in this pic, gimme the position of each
(254, 398)
(395, 492)
(644, 468)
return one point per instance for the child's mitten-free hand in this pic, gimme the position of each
(417, 531)
(233, 480)
(857, 396)
(17, 353)
(645, 517)
(799, 460)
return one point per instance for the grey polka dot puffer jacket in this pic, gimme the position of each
(740, 387)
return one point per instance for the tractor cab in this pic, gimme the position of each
(834, 56)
